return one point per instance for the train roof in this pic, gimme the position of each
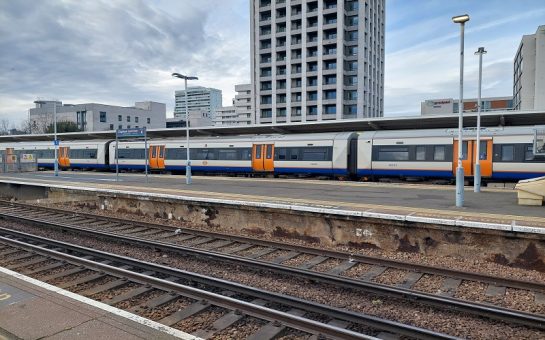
(487, 131)
(446, 121)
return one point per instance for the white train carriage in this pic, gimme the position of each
(325, 154)
(505, 153)
(71, 154)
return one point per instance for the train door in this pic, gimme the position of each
(263, 157)
(64, 156)
(469, 150)
(157, 157)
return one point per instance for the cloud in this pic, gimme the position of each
(113, 52)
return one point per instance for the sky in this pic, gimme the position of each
(121, 51)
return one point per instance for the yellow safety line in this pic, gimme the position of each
(338, 204)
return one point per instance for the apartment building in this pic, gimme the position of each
(203, 99)
(529, 72)
(316, 60)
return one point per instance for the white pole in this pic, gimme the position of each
(116, 157)
(477, 179)
(146, 152)
(188, 164)
(460, 168)
(56, 141)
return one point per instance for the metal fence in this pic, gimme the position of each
(25, 162)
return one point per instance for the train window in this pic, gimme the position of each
(421, 153)
(258, 152)
(153, 152)
(83, 153)
(280, 154)
(315, 154)
(246, 153)
(464, 150)
(161, 152)
(268, 151)
(507, 153)
(203, 154)
(483, 150)
(179, 153)
(439, 153)
(294, 154)
(227, 154)
(529, 152)
(389, 153)
(132, 153)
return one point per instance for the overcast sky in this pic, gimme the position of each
(121, 51)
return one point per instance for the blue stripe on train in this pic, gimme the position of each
(516, 175)
(405, 173)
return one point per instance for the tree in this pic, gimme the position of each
(4, 126)
(63, 126)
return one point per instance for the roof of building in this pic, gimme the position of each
(488, 119)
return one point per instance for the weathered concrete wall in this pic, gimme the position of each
(521, 250)
(22, 192)
(509, 248)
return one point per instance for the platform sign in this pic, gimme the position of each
(539, 142)
(28, 158)
(131, 133)
(56, 142)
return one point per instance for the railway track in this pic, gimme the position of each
(139, 286)
(239, 250)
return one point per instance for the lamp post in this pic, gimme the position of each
(477, 179)
(460, 19)
(55, 141)
(55, 136)
(188, 162)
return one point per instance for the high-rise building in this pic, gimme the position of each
(317, 59)
(203, 99)
(529, 72)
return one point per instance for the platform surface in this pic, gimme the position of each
(29, 311)
(434, 201)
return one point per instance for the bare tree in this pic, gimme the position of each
(4, 126)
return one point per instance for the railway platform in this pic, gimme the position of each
(30, 309)
(412, 201)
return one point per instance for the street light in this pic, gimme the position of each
(460, 19)
(188, 163)
(477, 179)
(55, 141)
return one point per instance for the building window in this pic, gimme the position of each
(312, 95)
(81, 119)
(312, 110)
(102, 117)
(149, 120)
(128, 119)
(111, 126)
(128, 126)
(266, 113)
(330, 109)
(120, 126)
(330, 94)
(281, 112)
(119, 118)
(136, 119)
(330, 80)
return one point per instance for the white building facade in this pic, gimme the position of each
(242, 112)
(203, 99)
(99, 117)
(529, 72)
(317, 60)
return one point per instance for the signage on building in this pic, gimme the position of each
(28, 158)
(130, 133)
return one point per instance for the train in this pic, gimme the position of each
(506, 153)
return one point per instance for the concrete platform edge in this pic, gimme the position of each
(115, 311)
(513, 227)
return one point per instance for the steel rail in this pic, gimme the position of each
(478, 309)
(23, 240)
(408, 266)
